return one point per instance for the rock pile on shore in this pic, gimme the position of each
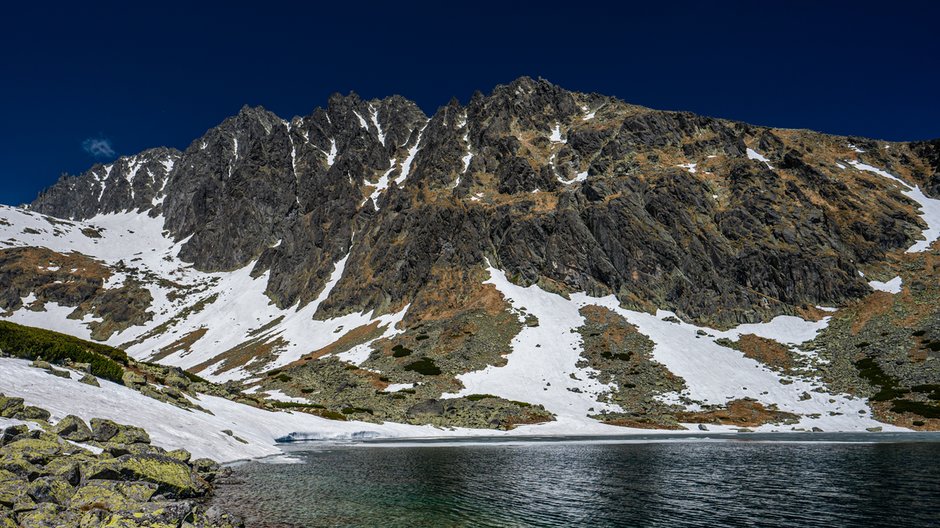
(73, 474)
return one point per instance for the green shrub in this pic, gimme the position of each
(932, 391)
(401, 351)
(32, 343)
(478, 397)
(887, 386)
(332, 415)
(424, 366)
(355, 410)
(296, 405)
(921, 409)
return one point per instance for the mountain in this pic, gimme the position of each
(538, 255)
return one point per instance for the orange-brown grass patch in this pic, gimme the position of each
(257, 349)
(643, 423)
(184, 343)
(354, 337)
(878, 303)
(811, 313)
(528, 419)
(613, 332)
(37, 260)
(451, 291)
(742, 413)
(766, 351)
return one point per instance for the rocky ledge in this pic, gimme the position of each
(73, 474)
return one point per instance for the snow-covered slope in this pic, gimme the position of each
(542, 367)
(226, 308)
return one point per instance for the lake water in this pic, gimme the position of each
(663, 484)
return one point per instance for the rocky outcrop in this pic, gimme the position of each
(129, 183)
(108, 474)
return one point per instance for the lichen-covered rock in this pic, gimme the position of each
(49, 515)
(173, 478)
(6, 519)
(129, 434)
(72, 428)
(180, 454)
(170, 514)
(11, 490)
(10, 406)
(112, 495)
(35, 450)
(88, 379)
(50, 489)
(133, 379)
(103, 430)
(68, 468)
(33, 413)
(48, 481)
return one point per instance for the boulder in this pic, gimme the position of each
(132, 379)
(103, 430)
(50, 489)
(129, 434)
(172, 477)
(33, 413)
(88, 379)
(72, 428)
(10, 406)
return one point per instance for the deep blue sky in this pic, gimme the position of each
(163, 74)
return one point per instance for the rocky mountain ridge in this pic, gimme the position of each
(601, 206)
(352, 259)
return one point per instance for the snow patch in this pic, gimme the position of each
(754, 155)
(892, 286)
(412, 152)
(278, 395)
(542, 367)
(375, 121)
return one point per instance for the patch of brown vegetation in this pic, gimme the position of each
(511, 422)
(451, 291)
(742, 413)
(878, 303)
(882, 412)
(614, 332)
(258, 351)
(766, 351)
(643, 423)
(811, 313)
(74, 280)
(184, 343)
(38, 260)
(354, 337)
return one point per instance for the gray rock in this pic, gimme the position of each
(72, 428)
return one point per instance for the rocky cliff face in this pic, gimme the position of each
(580, 192)
(373, 207)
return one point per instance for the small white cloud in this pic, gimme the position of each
(98, 147)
